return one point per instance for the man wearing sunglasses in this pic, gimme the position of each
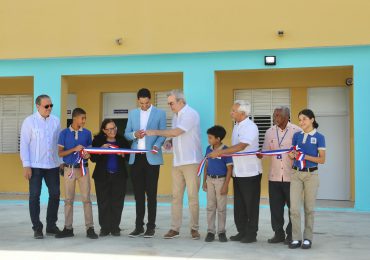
(187, 153)
(39, 155)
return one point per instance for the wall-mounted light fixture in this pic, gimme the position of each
(119, 41)
(270, 60)
(280, 33)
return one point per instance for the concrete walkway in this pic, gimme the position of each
(339, 234)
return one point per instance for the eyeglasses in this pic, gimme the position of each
(171, 104)
(111, 129)
(49, 105)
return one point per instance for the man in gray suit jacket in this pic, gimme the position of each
(145, 167)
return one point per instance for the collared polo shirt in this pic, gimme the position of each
(246, 132)
(187, 147)
(310, 144)
(218, 166)
(70, 138)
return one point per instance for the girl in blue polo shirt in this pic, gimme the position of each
(305, 179)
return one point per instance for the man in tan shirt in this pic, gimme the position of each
(278, 137)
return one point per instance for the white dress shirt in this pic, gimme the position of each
(144, 117)
(246, 132)
(187, 147)
(39, 142)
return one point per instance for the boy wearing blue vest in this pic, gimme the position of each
(71, 141)
(217, 174)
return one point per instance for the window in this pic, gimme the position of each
(13, 110)
(263, 102)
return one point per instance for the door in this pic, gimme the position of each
(330, 106)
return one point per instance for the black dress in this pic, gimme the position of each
(110, 187)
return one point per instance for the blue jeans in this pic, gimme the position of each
(51, 177)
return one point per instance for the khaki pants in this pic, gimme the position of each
(306, 184)
(216, 201)
(70, 186)
(185, 175)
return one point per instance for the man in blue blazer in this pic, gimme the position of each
(145, 167)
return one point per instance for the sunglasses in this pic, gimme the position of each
(47, 106)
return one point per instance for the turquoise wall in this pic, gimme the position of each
(199, 83)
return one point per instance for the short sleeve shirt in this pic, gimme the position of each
(276, 139)
(310, 144)
(187, 147)
(69, 138)
(218, 166)
(246, 132)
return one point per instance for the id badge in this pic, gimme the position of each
(278, 156)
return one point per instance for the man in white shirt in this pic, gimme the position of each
(145, 167)
(247, 173)
(39, 155)
(187, 156)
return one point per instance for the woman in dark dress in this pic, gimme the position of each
(110, 177)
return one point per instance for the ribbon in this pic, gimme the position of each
(112, 149)
(300, 156)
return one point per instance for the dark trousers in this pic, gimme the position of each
(145, 181)
(247, 191)
(51, 177)
(110, 195)
(279, 195)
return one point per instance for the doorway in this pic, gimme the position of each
(331, 108)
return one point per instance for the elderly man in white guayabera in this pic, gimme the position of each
(247, 173)
(187, 152)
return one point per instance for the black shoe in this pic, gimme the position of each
(222, 237)
(237, 237)
(295, 244)
(52, 231)
(90, 233)
(210, 237)
(248, 240)
(277, 238)
(306, 244)
(137, 232)
(288, 240)
(116, 232)
(65, 233)
(37, 234)
(149, 233)
(103, 233)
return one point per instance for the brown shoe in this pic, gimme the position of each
(195, 234)
(171, 234)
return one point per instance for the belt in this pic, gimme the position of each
(75, 165)
(312, 169)
(216, 176)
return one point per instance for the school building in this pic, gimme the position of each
(97, 54)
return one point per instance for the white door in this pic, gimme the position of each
(117, 105)
(71, 104)
(330, 106)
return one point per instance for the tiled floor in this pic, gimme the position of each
(339, 234)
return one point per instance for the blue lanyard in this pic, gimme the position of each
(277, 135)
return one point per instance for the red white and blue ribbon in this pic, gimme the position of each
(299, 157)
(112, 149)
